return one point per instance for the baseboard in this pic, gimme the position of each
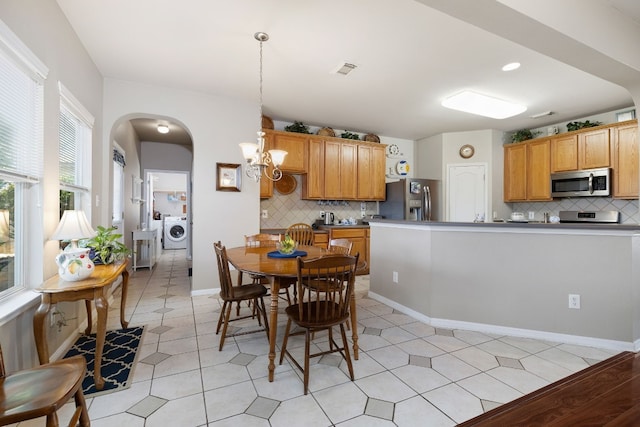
(201, 292)
(514, 332)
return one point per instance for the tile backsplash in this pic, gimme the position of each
(287, 209)
(628, 208)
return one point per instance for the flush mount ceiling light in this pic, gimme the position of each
(345, 68)
(511, 66)
(163, 128)
(483, 105)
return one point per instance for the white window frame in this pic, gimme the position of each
(84, 121)
(28, 216)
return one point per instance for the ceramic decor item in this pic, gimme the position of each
(74, 264)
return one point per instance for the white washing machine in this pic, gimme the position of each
(175, 232)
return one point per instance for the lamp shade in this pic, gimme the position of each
(277, 157)
(249, 150)
(73, 226)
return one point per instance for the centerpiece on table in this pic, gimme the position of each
(287, 246)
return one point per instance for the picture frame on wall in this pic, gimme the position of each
(228, 176)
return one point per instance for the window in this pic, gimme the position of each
(76, 124)
(21, 163)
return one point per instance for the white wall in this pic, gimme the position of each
(217, 125)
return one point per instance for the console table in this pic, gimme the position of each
(94, 288)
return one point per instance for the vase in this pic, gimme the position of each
(74, 264)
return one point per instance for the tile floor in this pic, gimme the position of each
(408, 374)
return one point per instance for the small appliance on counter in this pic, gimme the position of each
(412, 199)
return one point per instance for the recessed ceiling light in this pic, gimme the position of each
(483, 105)
(163, 128)
(511, 66)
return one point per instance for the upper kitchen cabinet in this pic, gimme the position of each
(295, 144)
(594, 149)
(339, 169)
(624, 156)
(564, 153)
(371, 172)
(583, 149)
(527, 171)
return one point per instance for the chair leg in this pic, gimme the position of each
(345, 345)
(224, 307)
(82, 406)
(52, 420)
(307, 348)
(284, 340)
(264, 315)
(225, 324)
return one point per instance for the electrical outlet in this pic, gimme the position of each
(265, 213)
(574, 301)
(321, 214)
(363, 214)
(52, 317)
(395, 277)
(532, 215)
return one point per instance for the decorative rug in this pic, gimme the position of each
(118, 359)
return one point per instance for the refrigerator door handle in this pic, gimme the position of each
(427, 204)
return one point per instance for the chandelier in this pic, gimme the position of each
(258, 160)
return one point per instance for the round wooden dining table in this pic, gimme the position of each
(257, 261)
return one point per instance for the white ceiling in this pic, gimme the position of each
(410, 54)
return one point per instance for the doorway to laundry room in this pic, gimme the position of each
(168, 208)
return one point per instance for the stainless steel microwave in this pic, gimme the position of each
(583, 183)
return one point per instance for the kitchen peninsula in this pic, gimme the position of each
(508, 278)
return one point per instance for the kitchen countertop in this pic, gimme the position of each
(284, 230)
(530, 225)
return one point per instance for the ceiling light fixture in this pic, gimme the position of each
(511, 66)
(163, 129)
(483, 105)
(257, 160)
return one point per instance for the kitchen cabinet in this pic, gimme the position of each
(321, 239)
(295, 144)
(564, 153)
(625, 160)
(371, 172)
(515, 171)
(339, 169)
(583, 149)
(527, 171)
(359, 237)
(593, 149)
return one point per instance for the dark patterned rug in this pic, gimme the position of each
(118, 359)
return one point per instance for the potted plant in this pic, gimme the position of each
(571, 126)
(524, 135)
(105, 247)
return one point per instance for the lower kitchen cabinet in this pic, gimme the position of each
(359, 237)
(321, 239)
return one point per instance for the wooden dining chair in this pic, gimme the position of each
(42, 391)
(301, 233)
(230, 294)
(270, 241)
(340, 246)
(325, 287)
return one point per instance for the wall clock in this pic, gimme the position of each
(466, 151)
(393, 150)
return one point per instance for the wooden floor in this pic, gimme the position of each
(605, 394)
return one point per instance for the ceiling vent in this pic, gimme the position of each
(345, 68)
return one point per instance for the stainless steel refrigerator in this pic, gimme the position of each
(412, 199)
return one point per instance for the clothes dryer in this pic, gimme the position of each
(175, 232)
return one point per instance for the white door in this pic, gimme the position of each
(466, 192)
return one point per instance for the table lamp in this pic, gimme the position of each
(74, 263)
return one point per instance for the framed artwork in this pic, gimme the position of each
(228, 176)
